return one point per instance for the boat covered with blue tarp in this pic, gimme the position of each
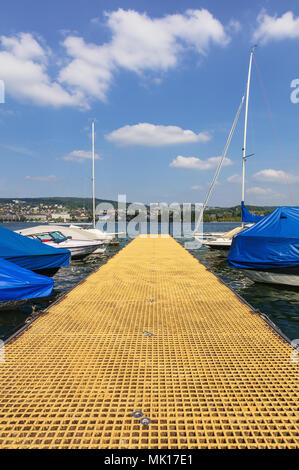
(17, 283)
(271, 244)
(31, 254)
(248, 217)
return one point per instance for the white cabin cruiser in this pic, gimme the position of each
(73, 232)
(79, 248)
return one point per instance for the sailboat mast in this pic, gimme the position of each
(245, 127)
(92, 178)
(214, 181)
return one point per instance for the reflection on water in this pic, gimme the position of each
(281, 304)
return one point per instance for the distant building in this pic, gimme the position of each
(9, 217)
(63, 215)
(40, 217)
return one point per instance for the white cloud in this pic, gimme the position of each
(80, 155)
(24, 46)
(275, 176)
(42, 178)
(90, 72)
(235, 178)
(140, 44)
(19, 149)
(23, 66)
(197, 188)
(275, 27)
(195, 163)
(152, 135)
(259, 191)
(234, 26)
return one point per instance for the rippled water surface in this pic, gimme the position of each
(281, 304)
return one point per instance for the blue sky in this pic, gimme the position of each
(163, 81)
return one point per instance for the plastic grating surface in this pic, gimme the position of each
(152, 333)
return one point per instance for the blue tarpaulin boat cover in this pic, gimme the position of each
(248, 216)
(31, 254)
(18, 283)
(273, 242)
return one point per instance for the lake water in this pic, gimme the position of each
(281, 304)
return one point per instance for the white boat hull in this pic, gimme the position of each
(99, 235)
(272, 278)
(218, 244)
(76, 233)
(89, 233)
(79, 249)
(102, 232)
(224, 241)
(207, 235)
(100, 251)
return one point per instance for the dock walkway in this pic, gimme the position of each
(152, 331)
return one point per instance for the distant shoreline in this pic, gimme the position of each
(79, 210)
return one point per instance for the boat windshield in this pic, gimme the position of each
(48, 237)
(45, 237)
(57, 235)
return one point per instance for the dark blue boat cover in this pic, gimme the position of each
(31, 254)
(271, 243)
(18, 283)
(248, 217)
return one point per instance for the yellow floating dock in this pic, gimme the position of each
(152, 331)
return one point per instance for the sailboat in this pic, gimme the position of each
(269, 251)
(224, 241)
(96, 233)
(79, 241)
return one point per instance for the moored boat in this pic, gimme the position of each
(72, 232)
(17, 285)
(97, 233)
(286, 278)
(56, 238)
(269, 250)
(224, 241)
(31, 254)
